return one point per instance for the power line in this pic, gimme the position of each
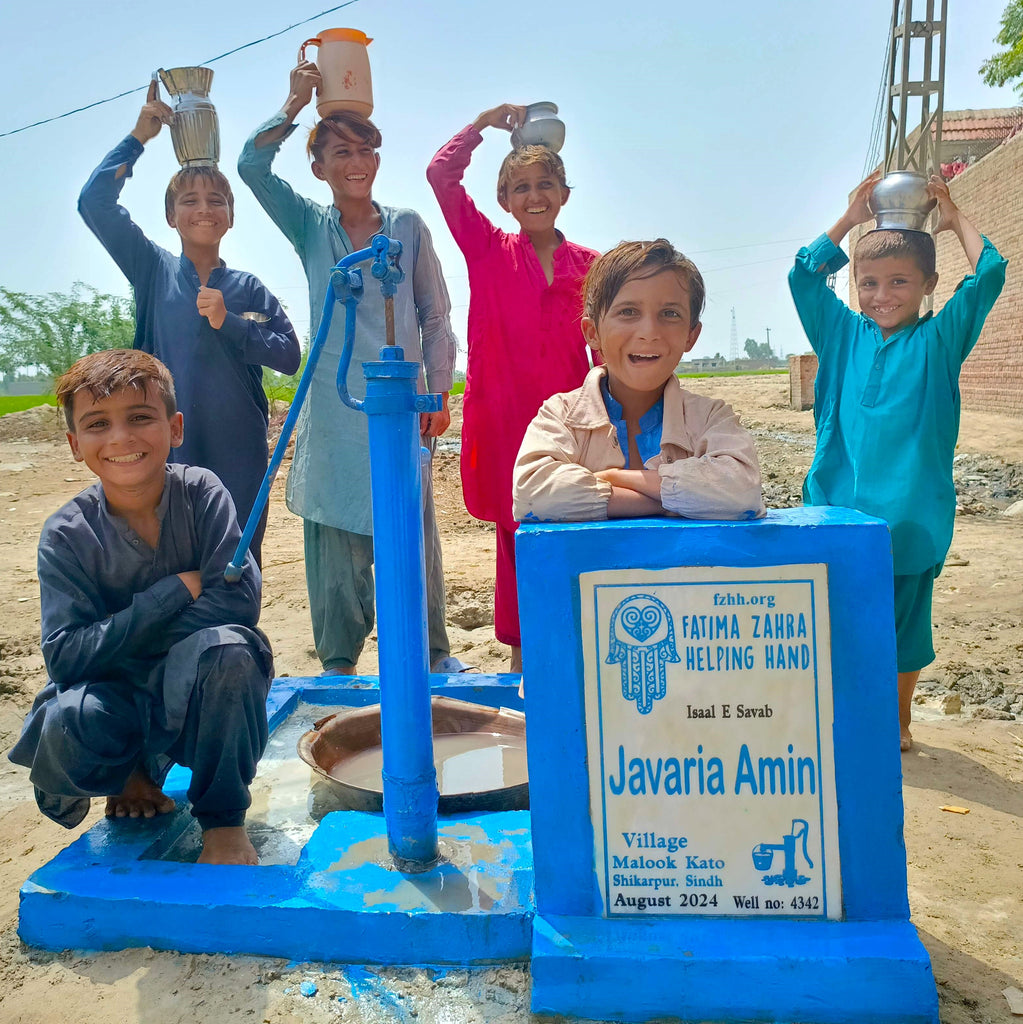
(740, 266)
(881, 111)
(143, 88)
(750, 245)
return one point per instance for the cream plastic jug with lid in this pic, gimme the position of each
(343, 63)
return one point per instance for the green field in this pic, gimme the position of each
(19, 403)
(286, 392)
(459, 386)
(731, 373)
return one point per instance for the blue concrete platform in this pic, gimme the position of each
(130, 883)
(828, 972)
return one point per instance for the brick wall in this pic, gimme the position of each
(990, 193)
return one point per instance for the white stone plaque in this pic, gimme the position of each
(709, 740)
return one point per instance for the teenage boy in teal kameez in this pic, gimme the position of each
(328, 485)
(887, 396)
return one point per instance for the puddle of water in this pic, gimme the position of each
(288, 800)
(457, 882)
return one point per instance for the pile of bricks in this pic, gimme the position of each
(802, 373)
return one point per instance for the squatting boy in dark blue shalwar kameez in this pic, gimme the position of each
(152, 657)
(214, 327)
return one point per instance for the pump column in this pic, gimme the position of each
(406, 728)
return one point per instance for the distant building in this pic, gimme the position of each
(703, 365)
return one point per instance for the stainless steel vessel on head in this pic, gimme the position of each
(195, 131)
(542, 127)
(900, 200)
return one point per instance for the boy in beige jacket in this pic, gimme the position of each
(631, 441)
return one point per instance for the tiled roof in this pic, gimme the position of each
(969, 125)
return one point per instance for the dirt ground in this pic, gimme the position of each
(965, 871)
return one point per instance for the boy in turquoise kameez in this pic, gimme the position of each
(887, 396)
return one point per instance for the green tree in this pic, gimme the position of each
(53, 330)
(758, 350)
(1007, 65)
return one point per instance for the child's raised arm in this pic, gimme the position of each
(153, 116)
(304, 78)
(98, 202)
(286, 208)
(508, 116)
(859, 209)
(951, 218)
(470, 228)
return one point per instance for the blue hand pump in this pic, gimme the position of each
(393, 407)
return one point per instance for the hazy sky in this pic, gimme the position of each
(734, 129)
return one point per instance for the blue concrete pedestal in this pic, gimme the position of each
(118, 886)
(646, 632)
(715, 970)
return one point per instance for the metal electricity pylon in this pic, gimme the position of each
(916, 86)
(733, 348)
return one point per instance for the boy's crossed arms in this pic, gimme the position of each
(631, 441)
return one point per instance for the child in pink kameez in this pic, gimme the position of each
(525, 342)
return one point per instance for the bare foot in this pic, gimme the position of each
(227, 846)
(341, 670)
(140, 798)
(907, 684)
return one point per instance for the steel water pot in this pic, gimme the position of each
(542, 127)
(900, 200)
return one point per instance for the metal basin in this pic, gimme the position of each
(479, 753)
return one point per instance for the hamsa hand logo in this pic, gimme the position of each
(642, 640)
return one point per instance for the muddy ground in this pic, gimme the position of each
(965, 871)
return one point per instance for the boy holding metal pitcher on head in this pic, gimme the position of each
(214, 327)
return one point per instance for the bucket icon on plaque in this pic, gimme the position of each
(642, 640)
(195, 131)
(343, 63)
(763, 857)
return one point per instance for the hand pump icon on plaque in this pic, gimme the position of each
(642, 640)
(763, 857)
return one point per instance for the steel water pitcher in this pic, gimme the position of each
(195, 130)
